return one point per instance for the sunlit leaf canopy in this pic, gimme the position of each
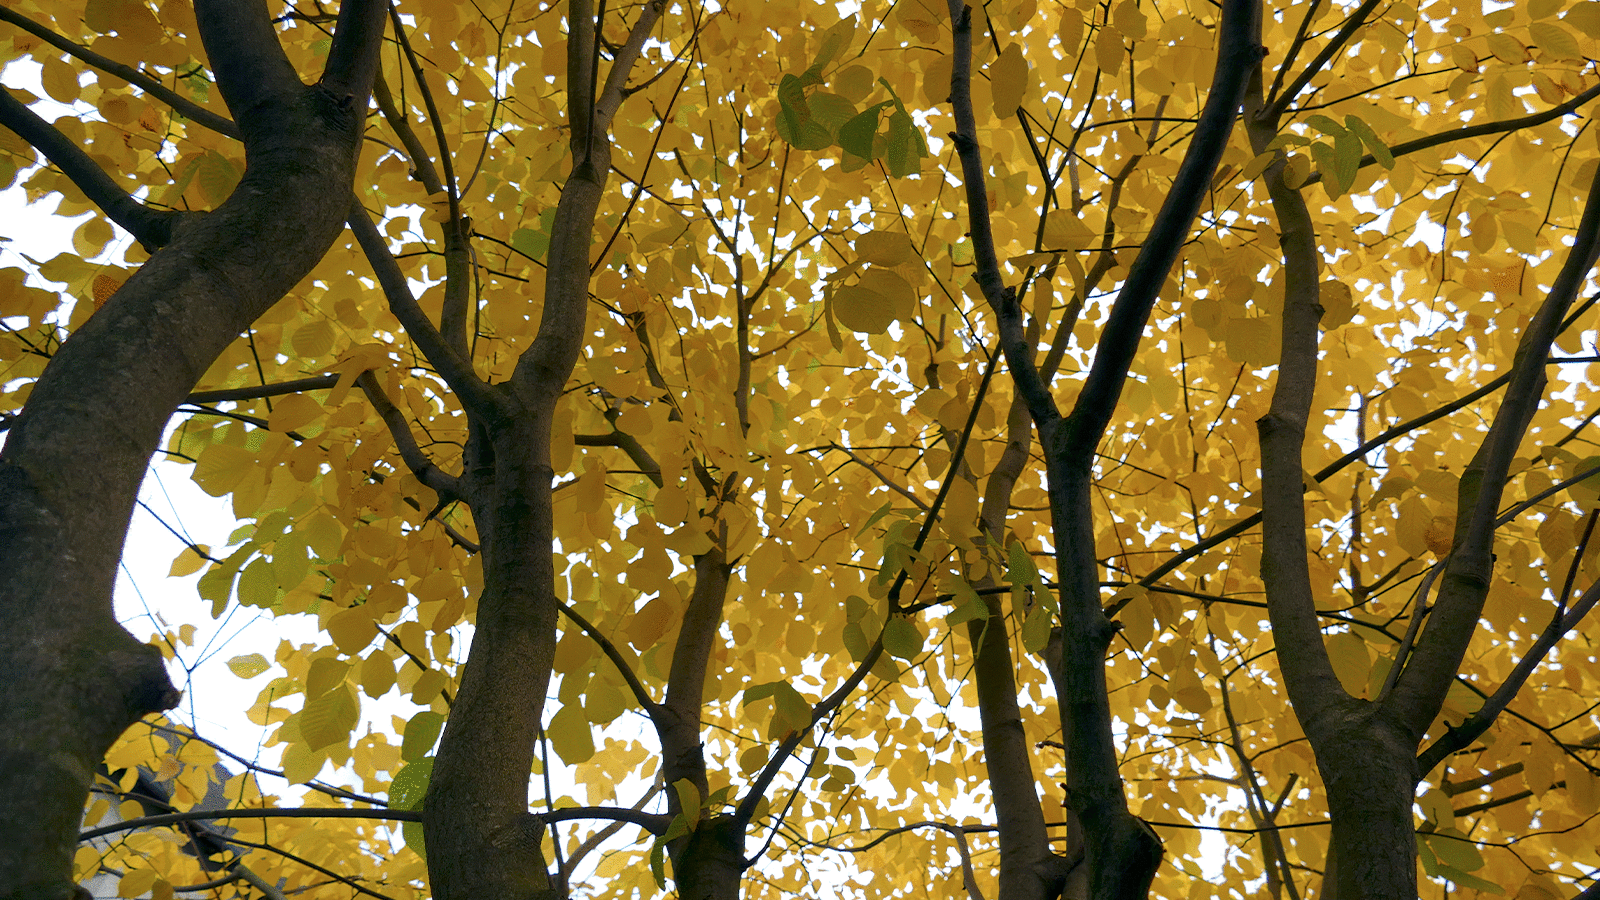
(784, 327)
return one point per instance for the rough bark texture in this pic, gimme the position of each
(73, 461)
(480, 843)
(1366, 750)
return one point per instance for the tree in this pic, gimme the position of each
(664, 350)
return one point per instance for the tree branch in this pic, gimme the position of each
(452, 366)
(1274, 110)
(1291, 602)
(447, 486)
(252, 71)
(1420, 691)
(256, 392)
(207, 815)
(891, 485)
(640, 693)
(353, 52)
(1479, 130)
(1461, 736)
(151, 227)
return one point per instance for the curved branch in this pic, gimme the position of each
(1475, 725)
(1338, 465)
(447, 486)
(1472, 131)
(353, 52)
(252, 71)
(1008, 311)
(151, 227)
(421, 164)
(1238, 54)
(655, 823)
(1308, 672)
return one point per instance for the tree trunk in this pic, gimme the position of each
(73, 461)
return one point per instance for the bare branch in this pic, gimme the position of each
(256, 392)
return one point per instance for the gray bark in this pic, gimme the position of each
(73, 461)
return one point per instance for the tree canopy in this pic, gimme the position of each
(1088, 449)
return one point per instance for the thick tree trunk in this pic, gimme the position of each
(709, 863)
(72, 463)
(481, 841)
(1369, 769)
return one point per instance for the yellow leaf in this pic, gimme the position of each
(314, 339)
(1008, 80)
(1188, 691)
(1129, 19)
(328, 719)
(590, 490)
(136, 883)
(352, 629)
(1351, 661)
(293, 411)
(877, 300)
(189, 561)
(1554, 41)
(377, 674)
(248, 666)
(324, 675)
(884, 248)
(1063, 230)
(301, 764)
(571, 736)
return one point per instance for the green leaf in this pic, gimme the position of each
(658, 862)
(1347, 153)
(1455, 849)
(688, 801)
(421, 733)
(906, 148)
(1020, 569)
(856, 135)
(571, 735)
(791, 711)
(967, 605)
(1325, 125)
(834, 41)
(831, 111)
(902, 638)
(795, 122)
(410, 784)
(1036, 629)
(1378, 149)
(406, 791)
(248, 666)
(530, 243)
(1328, 165)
